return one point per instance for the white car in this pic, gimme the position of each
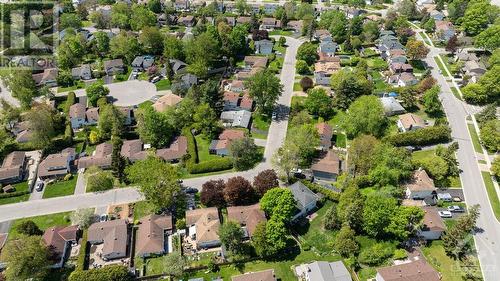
(445, 214)
(456, 209)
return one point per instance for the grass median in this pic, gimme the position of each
(492, 194)
(475, 138)
(441, 67)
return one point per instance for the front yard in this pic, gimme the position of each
(43, 222)
(20, 187)
(60, 188)
(260, 125)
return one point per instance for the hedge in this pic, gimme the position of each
(191, 142)
(424, 136)
(330, 194)
(211, 166)
(13, 194)
(81, 263)
(111, 272)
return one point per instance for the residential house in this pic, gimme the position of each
(327, 47)
(265, 275)
(47, 78)
(386, 32)
(397, 59)
(420, 186)
(247, 216)
(411, 271)
(306, 199)
(203, 226)
(151, 235)
(324, 271)
(56, 165)
(141, 63)
(474, 69)
(178, 66)
(115, 66)
(354, 12)
(436, 15)
(181, 5)
(264, 47)
(230, 100)
(186, 81)
(245, 102)
(13, 167)
(244, 20)
(325, 132)
(295, 25)
(175, 151)
(444, 30)
(404, 79)
(59, 240)
(410, 122)
(221, 146)
(392, 106)
(432, 225)
(465, 56)
(113, 234)
(100, 158)
(397, 68)
(270, 24)
(77, 115)
(328, 167)
(82, 72)
(236, 118)
(236, 86)
(255, 62)
(133, 150)
(323, 70)
(92, 116)
(188, 21)
(270, 8)
(166, 101)
(319, 34)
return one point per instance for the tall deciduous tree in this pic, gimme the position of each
(431, 101)
(111, 121)
(245, 153)
(41, 122)
(238, 191)
(366, 115)
(212, 193)
(454, 241)
(265, 88)
(488, 38)
(98, 180)
(231, 236)
(151, 40)
(156, 179)
(27, 257)
(347, 86)
(124, 46)
(21, 85)
(318, 103)
(344, 242)
(279, 202)
(154, 127)
(264, 181)
(83, 217)
(141, 17)
(96, 91)
(308, 53)
(416, 50)
(377, 214)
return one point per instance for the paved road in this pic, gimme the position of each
(277, 134)
(487, 240)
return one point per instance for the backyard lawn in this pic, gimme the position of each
(315, 236)
(153, 265)
(60, 188)
(492, 193)
(203, 144)
(43, 222)
(22, 186)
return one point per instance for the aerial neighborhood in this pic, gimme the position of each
(250, 140)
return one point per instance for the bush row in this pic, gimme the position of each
(192, 151)
(330, 194)
(425, 136)
(211, 166)
(13, 194)
(81, 263)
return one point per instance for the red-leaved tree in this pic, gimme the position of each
(239, 191)
(212, 193)
(264, 181)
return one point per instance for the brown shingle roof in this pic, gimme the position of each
(166, 101)
(231, 96)
(256, 61)
(231, 134)
(176, 150)
(330, 163)
(114, 235)
(55, 238)
(12, 165)
(132, 149)
(92, 114)
(432, 220)
(77, 110)
(409, 119)
(151, 234)
(325, 132)
(246, 102)
(249, 216)
(55, 164)
(207, 223)
(421, 181)
(418, 270)
(101, 158)
(265, 275)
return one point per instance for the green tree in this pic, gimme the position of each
(42, 120)
(350, 207)
(96, 91)
(206, 120)
(370, 31)
(318, 103)
(408, 8)
(174, 264)
(111, 272)
(118, 162)
(278, 202)
(153, 127)
(454, 240)
(151, 40)
(435, 166)
(259, 241)
(98, 180)
(265, 89)
(27, 257)
(124, 46)
(28, 228)
(338, 26)
(404, 222)
(366, 115)
(157, 181)
(301, 67)
(120, 15)
(9, 114)
(377, 214)
(99, 19)
(487, 39)
(286, 159)
(155, 6)
(347, 86)
(431, 101)
(416, 50)
(345, 243)
(474, 93)
(429, 25)
(201, 52)
(82, 217)
(306, 139)
(173, 48)
(21, 85)
(490, 135)
(69, 20)
(231, 236)
(331, 220)
(141, 17)
(376, 254)
(245, 153)
(495, 167)
(477, 17)
(111, 121)
(276, 235)
(308, 53)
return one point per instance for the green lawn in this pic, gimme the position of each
(450, 269)
(203, 145)
(145, 104)
(153, 265)
(441, 67)
(492, 194)
(316, 237)
(418, 66)
(163, 85)
(446, 60)
(297, 87)
(377, 63)
(124, 76)
(455, 93)
(261, 122)
(425, 38)
(475, 138)
(341, 140)
(43, 222)
(142, 209)
(78, 85)
(22, 186)
(60, 188)
(281, 32)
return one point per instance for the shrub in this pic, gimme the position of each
(211, 166)
(29, 228)
(332, 195)
(301, 67)
(112, 272)
(400, 254)
(67, 177)
(376, 254)
(306, 83)
(425, 136)
(13, 194)
(180, 224)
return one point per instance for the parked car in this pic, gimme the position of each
(445, 214)
(457, 199)
(39, 186)
(456, 209)
(156, 79)
(191, 190)
(103, 217)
